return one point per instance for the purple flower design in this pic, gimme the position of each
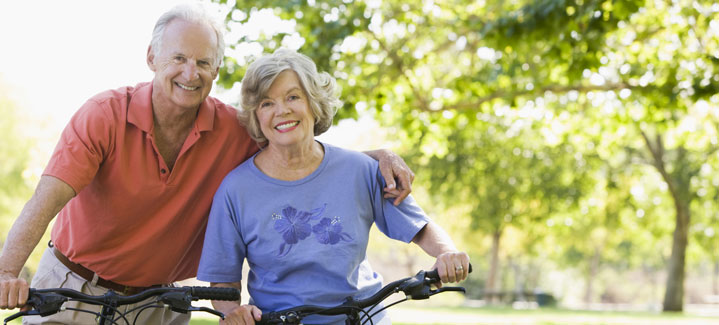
(329, 231)
(294, 225)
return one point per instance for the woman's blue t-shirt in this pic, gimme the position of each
(305, 241)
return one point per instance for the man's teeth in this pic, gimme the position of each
(286, 126)
(186, 87)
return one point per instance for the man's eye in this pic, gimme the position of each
(178, 59)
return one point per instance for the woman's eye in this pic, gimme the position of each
(294, 97)
(265, 104)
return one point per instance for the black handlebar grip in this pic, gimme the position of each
(433, 275)
(215, 293)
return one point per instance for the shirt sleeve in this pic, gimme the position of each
(224, 249)
(400, 222)
(83, 145)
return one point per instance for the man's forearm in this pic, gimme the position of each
(49, 197)
(24, 236)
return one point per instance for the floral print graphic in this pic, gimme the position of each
(330, 231)
(294, 225)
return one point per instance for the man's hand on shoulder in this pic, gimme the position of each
(397, 175)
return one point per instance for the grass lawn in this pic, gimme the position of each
(405, 315)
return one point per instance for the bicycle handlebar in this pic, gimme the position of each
(213, 293)
(416, 288)
(434, 274)
(49, 301)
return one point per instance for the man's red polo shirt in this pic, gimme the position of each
(133, 220)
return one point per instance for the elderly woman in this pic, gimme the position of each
(300, 211)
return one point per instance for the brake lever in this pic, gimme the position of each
(208, 310)
(181, 302)
(444, 289)
(416, 287)
(18, 314)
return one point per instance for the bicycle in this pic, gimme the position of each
(46, 302)
(415, 288)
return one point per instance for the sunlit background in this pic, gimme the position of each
(57, 54)
(603, 249)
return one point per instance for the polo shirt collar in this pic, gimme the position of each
(140, 110)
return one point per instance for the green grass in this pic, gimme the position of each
(544, 316)
(417, 314)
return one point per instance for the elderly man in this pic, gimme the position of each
(133, 176)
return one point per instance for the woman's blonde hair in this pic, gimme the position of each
(319, 87)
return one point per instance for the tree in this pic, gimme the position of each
(641, 65)
(14, 187)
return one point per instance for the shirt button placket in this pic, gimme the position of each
(160, 162)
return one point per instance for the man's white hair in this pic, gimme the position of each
(192, 13)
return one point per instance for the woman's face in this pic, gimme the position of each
(284, 113)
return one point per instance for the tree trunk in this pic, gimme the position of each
(678, 185)
(674, 295)
(490, 284)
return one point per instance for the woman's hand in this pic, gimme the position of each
(242, 315)
(452, 266)
(235, 313)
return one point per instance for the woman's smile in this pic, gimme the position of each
(287, 126)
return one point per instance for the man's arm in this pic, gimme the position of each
(451, 264)
(235, 313)
(393, 166)
(51, 194)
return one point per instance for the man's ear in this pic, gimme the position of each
(150, 58)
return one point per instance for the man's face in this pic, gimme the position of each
(184, 66)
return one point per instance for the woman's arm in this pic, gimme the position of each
(451, 264)
(235, 313)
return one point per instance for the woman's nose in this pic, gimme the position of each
(282, 108)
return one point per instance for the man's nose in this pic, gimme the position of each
(190, 71)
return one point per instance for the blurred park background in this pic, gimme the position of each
(570, 147)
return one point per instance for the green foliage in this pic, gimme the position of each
(14, 188)
(580, 125)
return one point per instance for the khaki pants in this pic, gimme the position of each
(51, 273)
